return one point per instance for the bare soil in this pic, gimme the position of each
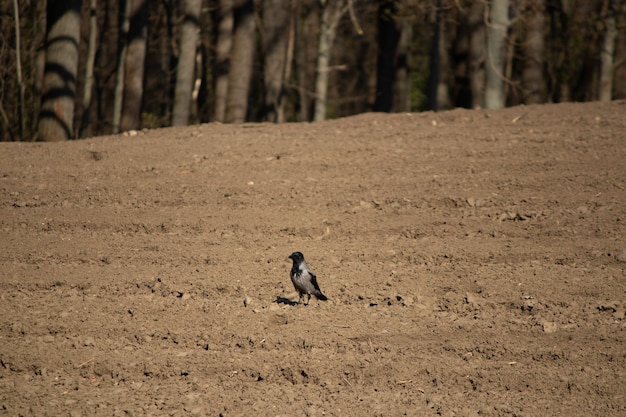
(474, 263)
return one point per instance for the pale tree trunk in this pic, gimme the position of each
(135, 66)
(477, 53)
(277, 29)
(533, 75)
(242, 57)
(332, 10)
(224, 46)
(607, 52)
(497, 31)
(186, 62)
(59, 80)
(89, 66)
(119, 81)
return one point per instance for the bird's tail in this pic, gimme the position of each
(321, 296)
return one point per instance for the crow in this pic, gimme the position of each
(304, 279)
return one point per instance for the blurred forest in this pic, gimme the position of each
(79, 68)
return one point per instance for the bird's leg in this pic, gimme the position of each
(308, 300)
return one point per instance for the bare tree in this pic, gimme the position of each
(37, 64)
(619, 69)
(20, 82)
(332, 10)
(477, 53)
(277, 25)
(394, 40)
(497, 31)
(119, 82)
(89, 66)
(440, 62)
(608, 50)
(59, 82)
(402, 80)
(189, 35)
(241, 61)
(388, 42)
(533, 74)
(134, 66)
(222, 66)
(307, 35)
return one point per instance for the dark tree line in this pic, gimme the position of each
(79, 68)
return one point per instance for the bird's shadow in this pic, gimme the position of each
(283, 300)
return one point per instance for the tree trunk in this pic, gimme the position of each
(331, 14)
(388, 42)
(224, 47)
(241, 62)
(307, 35)
(619, 58)
(119, 82)
(498, 27)
(394, 49)
(440, 63)
(477, 54)
(168, 57)
(37, 65)
(134, 67)
(607, 52)
(276, 22)
(186, 62)
(402, 81)
(89, 66)
(20, 82)
(59, 82)
(533, 79)
(533, 75)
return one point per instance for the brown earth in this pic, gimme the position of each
(474, 260)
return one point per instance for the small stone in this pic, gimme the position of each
(549, 327)
(247, 301)
(408, 301)
(471, 299)
(274, 307)
(621, 256)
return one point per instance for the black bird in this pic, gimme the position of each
(304, 279)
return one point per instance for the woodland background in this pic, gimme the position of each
(74, 69)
